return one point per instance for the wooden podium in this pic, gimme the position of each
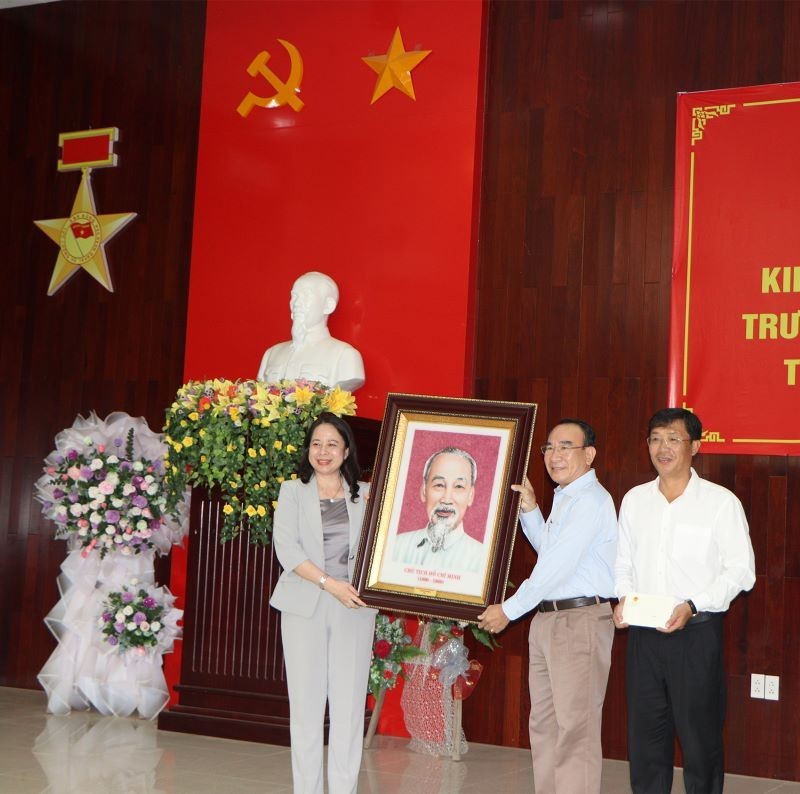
(232, 681)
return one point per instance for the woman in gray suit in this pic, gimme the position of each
(327, 629)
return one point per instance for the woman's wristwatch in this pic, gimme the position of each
(691, 606)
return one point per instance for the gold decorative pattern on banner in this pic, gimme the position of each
(702, 115)
(712, 437)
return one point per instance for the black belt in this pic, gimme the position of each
(571, 603)
(702, 617)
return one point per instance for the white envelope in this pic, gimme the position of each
(653, 611)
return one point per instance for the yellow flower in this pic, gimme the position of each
(262, 511)
(280, 479)
(233, 484)
(227, 509)
(302, 396)
(184, 423)
(265, 423)
(194, 416)
(201, 433)
(178, 447)
(262, 451)
(174, 469)
(251, 452)
(256, 422)
(294, 476)
(278, 444)
(230, 448)
(203, 459)
(256, 487)
(291, 448)
(339, 402)
(250, 510)
(263, 483)
(188, 441)
(234, 412)
(275, 504)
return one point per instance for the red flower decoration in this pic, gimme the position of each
(387, 674)
(382, 649)
(457, 631)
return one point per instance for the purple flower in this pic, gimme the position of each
(125, 465)
(137, 480)
(86, 473)
(72, 455)
(73, 497)
(61, 519)
(158, 466)
(139, 501)
(127, 597)
(135, 540)
(112, 640)
(112, 516)
(155, 523)
(139, 617)
(107, 616)
(59, 459)
(149, 602)
(100, 475)
(117, 442)
(57, 493)
(119, 627)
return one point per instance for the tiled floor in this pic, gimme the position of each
(85, 753)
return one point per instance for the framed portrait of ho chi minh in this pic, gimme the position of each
(440, 525)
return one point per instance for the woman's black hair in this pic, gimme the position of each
(350, 469)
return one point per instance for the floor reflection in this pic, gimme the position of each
(85, 752)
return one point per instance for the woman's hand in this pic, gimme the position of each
(344, 592)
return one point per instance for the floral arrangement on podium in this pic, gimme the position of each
(245, 438)
(104, 488)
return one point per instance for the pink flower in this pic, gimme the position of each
(74, 473)
(51, 470)
(106, 487)
(101, 447)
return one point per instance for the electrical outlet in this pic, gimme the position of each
(771, 687)
(757, 685)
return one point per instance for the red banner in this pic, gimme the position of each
(735, 325)
(340, 137)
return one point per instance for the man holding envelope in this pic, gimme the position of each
(684, 554)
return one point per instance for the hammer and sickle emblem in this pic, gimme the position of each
(286, 92)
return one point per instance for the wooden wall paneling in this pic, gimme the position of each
(71, 66)
(581, 104)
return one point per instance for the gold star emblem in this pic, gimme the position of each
(394, 68)
(82, 238)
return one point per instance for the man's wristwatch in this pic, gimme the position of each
(691, 606)
(324, 578)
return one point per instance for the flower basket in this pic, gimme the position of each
(139, 618)
(245, 438)
(103, 487)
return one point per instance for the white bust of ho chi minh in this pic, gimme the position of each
(313, 353)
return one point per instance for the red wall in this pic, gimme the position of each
(378, 196)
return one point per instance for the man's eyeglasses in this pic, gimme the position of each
(564, 449)
(670, 442)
